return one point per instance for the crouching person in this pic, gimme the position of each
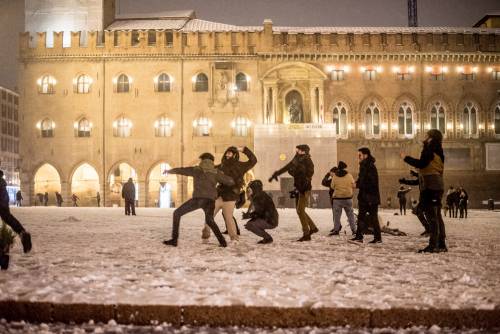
(262, 212)
(205, 179)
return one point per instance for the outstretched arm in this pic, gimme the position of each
(186, 171)
(252, 159)
(425, 158)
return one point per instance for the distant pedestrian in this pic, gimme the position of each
(59, 199)
(98, 198)
(19, 198)
(450, 201)
(46, 199)
(74, 199)
(389, 202)
(343, 186)
(402, 199)
(463, 203)
(368, 196)
(128, 194)
(39, 196)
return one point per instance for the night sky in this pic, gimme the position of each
(282, 12)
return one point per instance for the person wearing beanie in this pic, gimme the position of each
(205, 179)
(368, 196)
(9, 219)
(227, 195)
(343, 186)
(301, 168)
(431, 168)
(402, 199)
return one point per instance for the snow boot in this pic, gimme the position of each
(266, 241)
(26, 241)
(171, 242)
(313, 230)
(334, 232)
(375, 241)
(4, 261)
(305, 237)
(427, 249)
(357, 239)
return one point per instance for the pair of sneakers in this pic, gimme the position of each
(307, 237)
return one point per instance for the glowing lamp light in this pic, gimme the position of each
(39, 125)
(475, 69)
(248, 78)
(363, 127)
(233, 124)
(379, 69)
(428, 69)
(39, 82)
(130, 80)
(489, 69)
(362, 69)
(91, 125)
(329, 68)
(394, 126)
(411, 69)
(383, 126)
(350, 126)
(53, 125)
(115, 124)
(427, 126)
(492, 126)
(156, 124)
(193, 79)
(445, 69)
(396, 69)
(115, 81)
(449, 126)
(75, 125)
(481, 126)
(461, 126)
(460, 69)
(347, 68)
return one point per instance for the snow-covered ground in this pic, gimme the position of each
(101, 256)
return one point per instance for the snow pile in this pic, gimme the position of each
(105, 257)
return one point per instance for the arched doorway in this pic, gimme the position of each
(85, 185)
(162, 189)
(294, 107)
(117, 178)
(47, 180)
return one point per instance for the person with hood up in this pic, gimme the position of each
(431, 168)
(128, 194)
(205, 179)
(227, 195)
(368, 196)
(402, 199)
(343, 186)
(262, 212)
(301, 168)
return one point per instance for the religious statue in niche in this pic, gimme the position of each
(222, 88)
(293, 103)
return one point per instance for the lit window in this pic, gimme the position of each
(134, 38)
(339, 119)
(122, 127)
(337, 75)
(151, 37)
(497, 119)
(163, 127)
(372, 121)
(241, 126)
(46, 85)
(436, 73)
(169, 38)
(469, 119)
(495, 75)
(370, 75)
(405, 120)
(83, 84)
(47, 128)
(467, 73)
(201, 83)
(404, 73)
(438, 117)
(163, 83)
(83, 128)
(123, 84)
(202, 127)
(241, 82)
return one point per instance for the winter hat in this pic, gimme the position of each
(207, 156)
(436, 135)
(234, 150)
(365, 150)
(256, 186)
(342, 165)
(303, 147)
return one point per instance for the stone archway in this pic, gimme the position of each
(162, 189)
(85, 185)
(46, 180)
(118, 175)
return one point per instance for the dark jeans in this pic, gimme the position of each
(419, 212)
(402, 206)
(10, 220)
(258, 227)
(368, 216)
(129, 207)
(431, 201)
(208, 206)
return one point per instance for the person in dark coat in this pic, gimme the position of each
(418, 209)
(9, 219)
(75, 199)
(262, 212)
(402, 199)
(59, 199)
(431, 168)
(368, 196)
(98, 199)
(227, 196)
(301, 168)
(450, 201)
(205, 179)
(19, 198)
(456, 202)
(464, 200)
(39, 196)
(128, 194)
(46, 199)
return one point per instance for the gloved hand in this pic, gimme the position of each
(273, 177)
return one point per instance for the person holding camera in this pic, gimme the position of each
(301, 168)
(343, 186)
(262, 212)
(228, 195)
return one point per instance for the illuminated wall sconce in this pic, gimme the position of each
(449, 126)
(461, 126)
(350, 126)
(383, 126)
(481, 126)
(394, 126)
(363, 127)
(427, 126)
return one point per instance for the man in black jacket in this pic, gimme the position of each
(368, 196)
(431, 168)
(301, 168)
(128, 194)
(228, 195)
(9, 219)
(262, 212)
(205, 179)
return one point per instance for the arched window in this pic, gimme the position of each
(241, 126)
(122, 127)
(339, 119)
(201, 83)
(372, 120)
(83, 128)
(47, 128)
(241, 82)
(469, 119)
(163, 83)
(497, 119)
(405, 120)
(438, 117)
(163, 127)
(202, 126)
(46, 85)
(83, 83)
(123, 84)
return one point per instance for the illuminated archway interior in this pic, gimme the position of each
(119, 175)
(162, 189)
(47, 180)
(85, 185)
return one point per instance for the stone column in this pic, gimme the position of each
(142, 192)
(313, 113)
(322, 105)
(274, 112)
(65, 193)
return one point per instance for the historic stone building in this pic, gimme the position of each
(151, 92)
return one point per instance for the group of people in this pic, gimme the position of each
(43, 199)
(219, 187)
(456, 202)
